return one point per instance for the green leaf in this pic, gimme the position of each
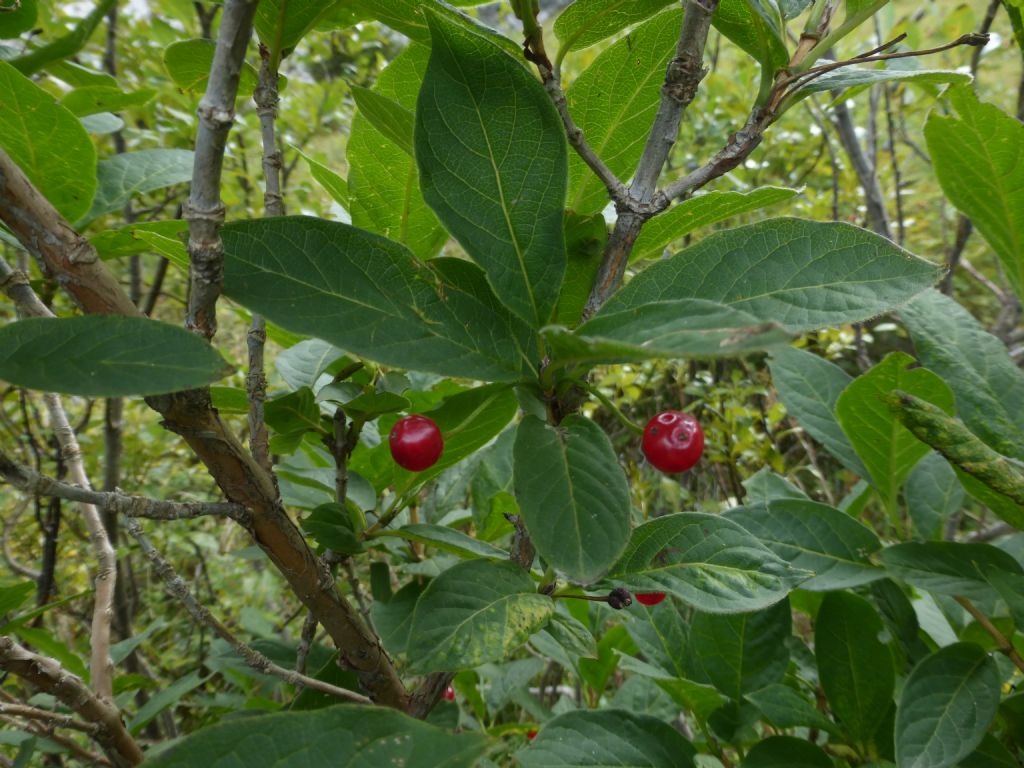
(294, 412)
(785, 707)
(93, 99)
(386, 115)
(371, 296)
(393, 619)
(786, 752)
(493, 166)
(988, 384)
(188, 63)
(799, 274)
(409, 18)
(475, 612)
(331, 525)
(599, 738)
(702, 211)
(990, 754)
(102, 123)
(585, 241)
(664, 329)
(164, 698)
(850, 77)
(854, 666)
(587, 22)
(346, 734)
(809, 387)
(746, 24)
(127, 240)
(614, 100)
(740, 652)
(933, 494)
(333, 183)
(888, 449)
(18, 18)
(946, 706)
(573, 495)
(105, 356)
(12, 596)
(302, 364)
(370, 405)
(978, 158)
(47, 142)
(949, 568)
(383, 181)
(708, 561)
(764, 486)
(447, 540)
(123, 176)
(281, 24)
(816, 538)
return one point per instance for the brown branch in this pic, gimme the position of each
(179, 589)
(48, 676)
(204, 209)
(1004, 645)
(53, 719)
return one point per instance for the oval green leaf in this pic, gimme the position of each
(106, 356)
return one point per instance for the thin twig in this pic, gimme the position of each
(55, 719)
(1004, 645)
(179, 589)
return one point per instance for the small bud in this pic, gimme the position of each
(620, 598)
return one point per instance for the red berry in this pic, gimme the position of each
(416, 443)
(449, 694)
(531, 735)
(649, 598)
(673, 441)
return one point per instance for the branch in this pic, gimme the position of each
(48, 676)
(53, 719)
(204, 210)
(179, 589)
(1004, 645)
(30, 481)
(100, 664)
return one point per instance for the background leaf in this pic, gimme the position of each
(493, 166)
(586, 22)
(105, 356)
(123, 176)
(573, 495)
(933, 493)
(949, 568)
(475, 612)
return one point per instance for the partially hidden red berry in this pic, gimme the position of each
(673, 441)
(649, 598)
(449, 694)
(531, 735)
(416, 443)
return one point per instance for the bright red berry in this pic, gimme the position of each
(649, 598)
(673, 441)
(531, 735)
(416, 443)
(449, 694)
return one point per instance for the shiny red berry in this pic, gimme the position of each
(531, 735)
(649, 598)
(416, 443)
(673, 441)
(449, 694)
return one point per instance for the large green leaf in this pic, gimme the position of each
(475, 612)
(347, 734)
(978, 157)
(492, 159)
(809, 386)
(706, 560)
(607, 737)
(47, 142)
(123, 176)
(740, 652)
(785, 707)
(850, 77)
(747, 24)
(815, 537)
(664, 329)
(18, 17)
(573, 495)
(933, 494)
(389, 117)
(371, 296)
(281, 24)
(188, 63)
(409, 18)
(105, 356)
(701, 211)
(786, 752)
(988, 384)
(614, 100)
(587, 22)
(949, 568)
(100, 98)
(854, 666)
(383, 181)
(887, 448)
(447, 540)
(946, 706)
(800, 274)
